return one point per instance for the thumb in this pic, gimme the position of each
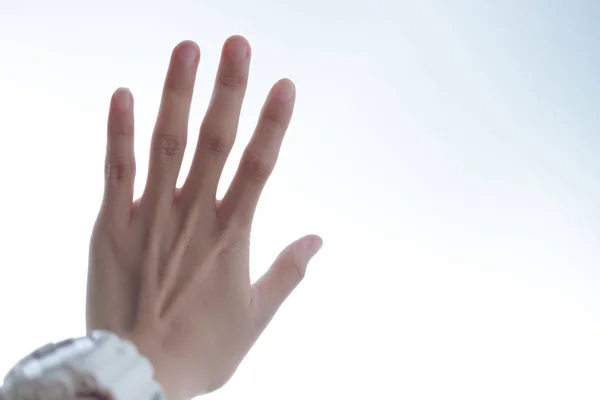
(271, 290)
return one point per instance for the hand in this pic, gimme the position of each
(170, 271)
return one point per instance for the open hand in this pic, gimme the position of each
(170, 270)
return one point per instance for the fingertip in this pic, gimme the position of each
(313, 243)
(237, 37)
(187, 52)
(122, 99)
(284, 90)
(237, 48)
(188, 44)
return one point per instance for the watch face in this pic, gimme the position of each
(42, 351)
(51, 356)
(100, 337)
(51, 348)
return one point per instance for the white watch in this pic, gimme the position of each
(99, 365)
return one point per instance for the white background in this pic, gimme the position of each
(447, 152)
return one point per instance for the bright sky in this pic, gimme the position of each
(447, 151)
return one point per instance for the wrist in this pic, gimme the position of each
(162, 374)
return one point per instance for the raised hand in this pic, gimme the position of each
(170, 270)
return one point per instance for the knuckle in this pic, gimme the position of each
(119, 170)
(168, 145)
(232, 243)
(178, 86)
(272, 118)
(232, 79)
(256, 168)
(215, 142)
(119, 130)
(179, 91)
(298, 269)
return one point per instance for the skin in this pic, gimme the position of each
(170, 270)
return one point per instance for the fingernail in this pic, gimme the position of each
(122, 99)
(188, 54)
(237, 49)
(284, 90)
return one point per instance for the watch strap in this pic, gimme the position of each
(100, 364)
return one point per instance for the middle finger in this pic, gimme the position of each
(170, 132)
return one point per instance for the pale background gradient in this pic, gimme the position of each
(447, 151)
